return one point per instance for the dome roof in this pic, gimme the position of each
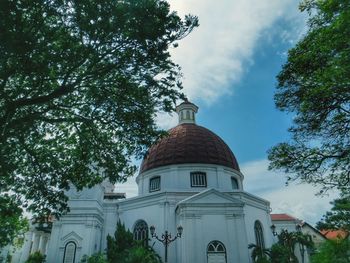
(189, 143)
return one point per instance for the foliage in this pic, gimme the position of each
(80, 84)
(124, 249)
(36, 257)
(283, 251)
(8, 258)
(259, 254)
(333, 251)
(12, 223)
(314, 85)
(288, 241)
(118, 247)
(141, 254)
(95, 258)
(338, 217)
(280, 254)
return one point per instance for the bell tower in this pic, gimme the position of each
(187, 112)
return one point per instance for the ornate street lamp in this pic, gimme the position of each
(273, 229)
(166, 238)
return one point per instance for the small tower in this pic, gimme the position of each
(187, 111)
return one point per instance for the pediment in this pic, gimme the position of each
(72, 236)
(211, 196)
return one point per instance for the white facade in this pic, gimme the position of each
(216, 214)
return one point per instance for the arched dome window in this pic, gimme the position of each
(141, 232)
(216, 252)
(234, 183)
(69, 252)
(259, 235)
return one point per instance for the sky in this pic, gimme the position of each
(230, 63)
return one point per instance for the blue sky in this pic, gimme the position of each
(230, 65)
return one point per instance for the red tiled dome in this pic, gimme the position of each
(189, 143)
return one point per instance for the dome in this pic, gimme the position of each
(189, 143)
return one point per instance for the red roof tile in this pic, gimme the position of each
(189, 143)
(282, 217)
(334, 234)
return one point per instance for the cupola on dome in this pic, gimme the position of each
(189, 143)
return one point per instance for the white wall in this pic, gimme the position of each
(177, 178)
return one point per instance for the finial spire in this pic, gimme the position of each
(187, 111)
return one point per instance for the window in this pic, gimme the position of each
(69, 252)
(154, 184)
(259, 236)
(141, 232)
(198, 179)
(216, 252)
(234, 183)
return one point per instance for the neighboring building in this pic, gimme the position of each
(285, 222)
(317, 237)
(189, 178)
(292, 224)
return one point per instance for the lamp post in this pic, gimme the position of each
(301, 246)
(166, 238)
(273, 229)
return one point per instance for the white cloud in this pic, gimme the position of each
(298, 200)
(166, 121)
(215, 55)
(129, 187)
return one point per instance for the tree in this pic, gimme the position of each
(11, 220)
(280, 254)
(283, 251)
(289, 242)
(338, 217)
(118, 247)
(314, 85)
(333, 251)
(80, 84)
(259, 254)
(95, 258)
(124, 249)
(36, 257)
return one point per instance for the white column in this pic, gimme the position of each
(41, 240)
(42, 243)
(26, 247)
(47, 244)
(35, 246)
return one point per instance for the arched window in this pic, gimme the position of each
(259, 235)
(69, 252)
(216, 252)
(141, 232)
(234, 183)
(154, 184)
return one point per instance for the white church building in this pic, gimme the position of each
(190, 178)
